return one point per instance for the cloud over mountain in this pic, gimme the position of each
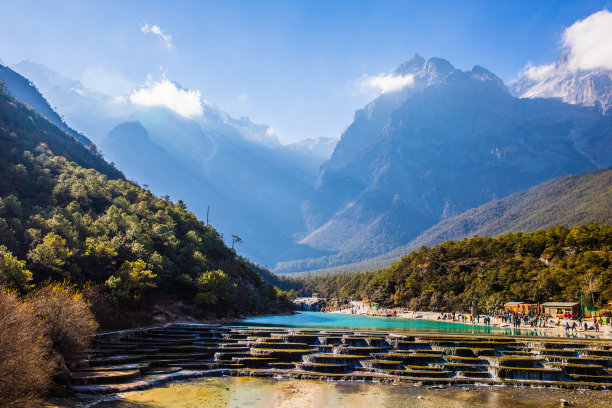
(582, 74)
(590, 42)
(168, 95)
(586, 44)
(384, 83)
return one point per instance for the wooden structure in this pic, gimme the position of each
(569, 309)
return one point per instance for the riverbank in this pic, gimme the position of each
(360, 308)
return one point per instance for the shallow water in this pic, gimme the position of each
(359, 322)
(261, 392)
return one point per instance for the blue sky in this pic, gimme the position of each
(292, 65)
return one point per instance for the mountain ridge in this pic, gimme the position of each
(24, 90)
(570, 201)
(453, 141)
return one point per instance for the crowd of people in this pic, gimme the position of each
(518, 319)
(535, 320)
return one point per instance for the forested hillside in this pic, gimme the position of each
(558, 264)
(577, 199)
(572, 200)
(66, 214)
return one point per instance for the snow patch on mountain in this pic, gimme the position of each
(582, 74)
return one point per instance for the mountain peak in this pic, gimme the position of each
(431, 71)
(437, 69)
(440, 64)
(483, 74)
(132, 130)
(411, 66)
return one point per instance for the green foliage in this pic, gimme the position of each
(131, 281)
(51, 254)
(215, 288)
(13, 272)
(285, 296)
(557, 264)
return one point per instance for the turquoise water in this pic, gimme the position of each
(358, 322)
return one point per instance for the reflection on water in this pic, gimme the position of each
(358, 322)
(260, 393)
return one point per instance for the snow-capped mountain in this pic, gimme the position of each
(591, 87)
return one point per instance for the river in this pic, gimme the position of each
(360, 322)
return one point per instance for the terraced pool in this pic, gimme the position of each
(331, 367)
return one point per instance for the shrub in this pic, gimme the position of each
(64, 316)
(25, 361)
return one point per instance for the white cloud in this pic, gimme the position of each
(537, 72)
(384, 83)
(168, 95)
(154, 29)
(590, 42)
(587, 43)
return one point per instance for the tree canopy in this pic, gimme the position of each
(558, 264)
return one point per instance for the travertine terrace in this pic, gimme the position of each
(145, 358)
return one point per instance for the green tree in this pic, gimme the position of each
(215, 290)
(51, 254)
(13, 272)
(100, 249)
(131, 281)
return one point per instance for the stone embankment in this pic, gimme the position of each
(128, 361)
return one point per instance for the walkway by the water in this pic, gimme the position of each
(555, 329)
